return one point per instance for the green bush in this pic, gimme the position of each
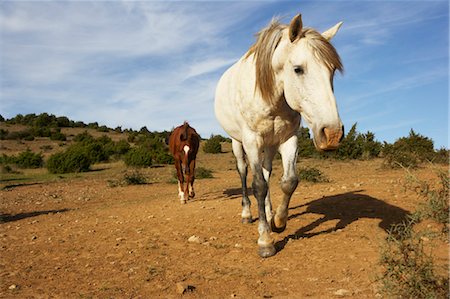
(212, 145)
(134, 178)
(358, 146)
(306, 148)
(311, 174)
(203, 173)
(408, 270)
(74, 159)
(138, 157)
(28, 159)
(409, 151)
(436, 203)
(162, 158)
(58, 136)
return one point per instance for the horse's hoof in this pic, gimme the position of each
(192, 195)
(183, 201)
(276, 229)
(267, 251)
(247, 220)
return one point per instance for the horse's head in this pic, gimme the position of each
(304, 64)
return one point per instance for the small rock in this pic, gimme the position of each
(342, 292)
(13, 287)
(237, 245)
(183, 288)
(33, 238)
(195, 239)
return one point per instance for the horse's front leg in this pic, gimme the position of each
(269, 153)
(289, 182)
(180, 176)
(266, 247)
(241, 165)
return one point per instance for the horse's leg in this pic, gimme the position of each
(180, 181)
(241, 166)
(259, 185)
(191, 179)
(269, 153)
(289, 182)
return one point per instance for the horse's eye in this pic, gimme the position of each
(299, 70)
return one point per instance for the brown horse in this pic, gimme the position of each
(183, 145)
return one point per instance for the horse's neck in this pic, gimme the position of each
(262, 115)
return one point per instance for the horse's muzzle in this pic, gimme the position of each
(329, 138)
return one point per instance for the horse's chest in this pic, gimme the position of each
(276, 127)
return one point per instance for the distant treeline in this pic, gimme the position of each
(143, 148)
(42, 124)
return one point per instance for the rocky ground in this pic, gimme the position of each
(88, 236)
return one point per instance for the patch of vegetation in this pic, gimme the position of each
(26, 159)
(138, 157)
(203, 173)
(409, 272)
(74, 159)
(306, 148)
(312, 174)
(135, 178)
(212, 145)
(7, 169)
(436, 199)
(355, 145)
(409, 151)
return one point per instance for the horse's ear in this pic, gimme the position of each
(295, 27)
(328, 35)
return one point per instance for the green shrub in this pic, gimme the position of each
(58, 136)
(441, 156)
(408, 151)
(74, 159)
(212, 145)
(306, 148)
(28, 159)
(84, 137)
(121, 147)
(138, 157)
(311, 174)
(162, 158)
(3, 134)
(135, 178)
(436, 203)
(408, 270)
(203, 173)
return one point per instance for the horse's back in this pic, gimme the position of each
(192, 138)
(231, 93)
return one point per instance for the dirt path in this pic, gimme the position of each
(81, 238)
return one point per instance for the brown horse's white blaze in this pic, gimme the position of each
(183, 145)
(260, 100)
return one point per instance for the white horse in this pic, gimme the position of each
(287, 74)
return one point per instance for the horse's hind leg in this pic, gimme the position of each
(289, 183)
(241, 166)
(191, 179)
(180, 177)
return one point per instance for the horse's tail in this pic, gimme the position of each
(184, 135)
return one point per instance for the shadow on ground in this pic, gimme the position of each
(9, 218)
(346, 208)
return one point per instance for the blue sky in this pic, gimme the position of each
(156, 64)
